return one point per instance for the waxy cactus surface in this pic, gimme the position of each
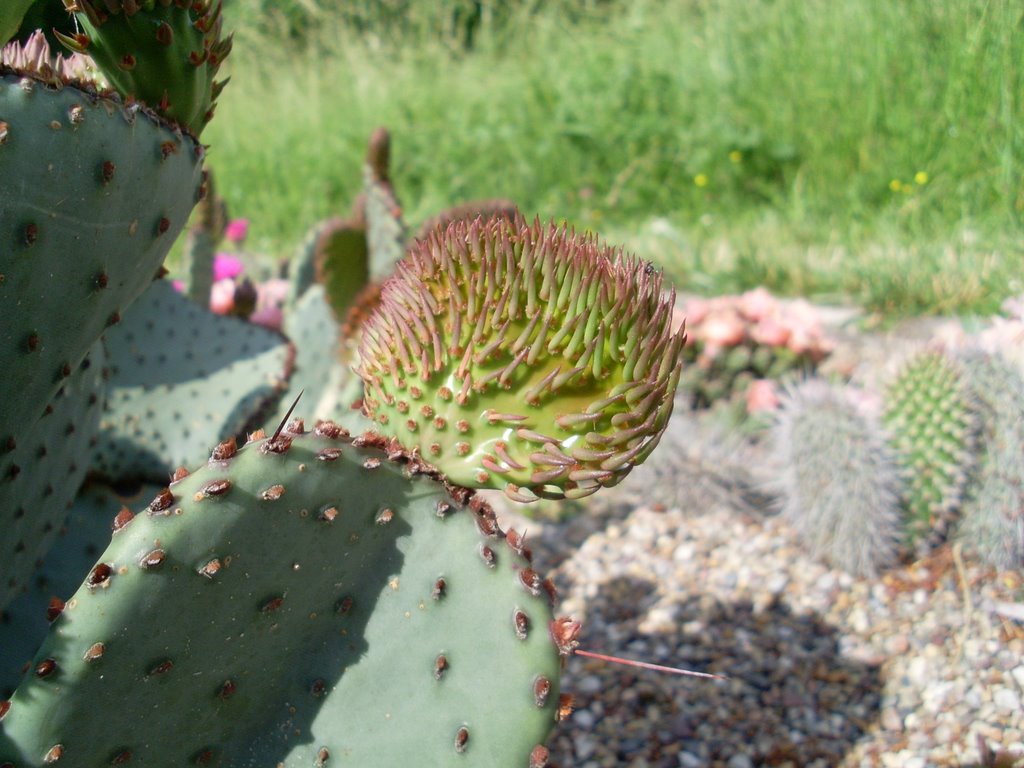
(525, 358)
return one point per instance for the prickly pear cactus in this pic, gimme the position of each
(181, 379)
(486, 209)
(40, 476)
(385, 229)
(82, 537)
(993, 516)
(933, 427)
(201, 243)
(341, 257)
(91, 198)
(304, 600)
(162, 53)
(839, 480)
(523, 358)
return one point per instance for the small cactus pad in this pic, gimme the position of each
(308, 599)
(524, 358)
(201, 241)
(933, 428)
(341, 258)
(91, 198)
(181, 379)
(385, 229)
(40, 476)
(840, 482)
(80, 540)
(162, 53)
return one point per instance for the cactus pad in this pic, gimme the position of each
(181, 379)
(91, 197)
(40, 477)
(164, 54)
(522, 358)
(840, 482)
(341, 258)
(306, 600)
(385, 229)
(934, 428)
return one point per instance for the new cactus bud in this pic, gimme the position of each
(163, 54)
(526, 358)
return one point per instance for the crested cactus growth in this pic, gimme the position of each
(934, 427)
(168, 402)
(993, 516)
(839, 480)
(165, 54)
(40, 476)
(79, 245)
(308, 599)
(524, 358)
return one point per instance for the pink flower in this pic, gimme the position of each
(222, 297)
(179, 285)
(236, 231)
(268, 317)
(721, 328)
(762, 396)
(272, 294)
(770, 332)
(758, 304)
(226, 266)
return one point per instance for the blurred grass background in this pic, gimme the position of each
(869, 150)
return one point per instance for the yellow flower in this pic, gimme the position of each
(921, 178)
(895, 185)
(735, 156)
(701, 180)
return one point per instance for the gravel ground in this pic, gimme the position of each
(684, 565)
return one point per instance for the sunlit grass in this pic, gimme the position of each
(867, 149)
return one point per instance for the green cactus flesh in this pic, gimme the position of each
(840, 482)
(933, 428)
(162, 53)
(339, 251)
(91, 197)
(201, 243)
(39, 478)
(182, 379)
(309, 599)
(80, 540)
(522, 358)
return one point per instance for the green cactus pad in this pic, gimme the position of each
(523, 358)
(201, 241)
(839, 480)
(933, 428)
(181, 379)
(385, 229)
(40, 477)
(91, 197)
(80, 540)
(164, 54)
(305, 600)
(341, 259)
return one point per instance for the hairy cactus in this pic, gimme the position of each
(993, 517)
(840, 482)
(306, 599)
(933, 426)
(523, 358)
(162, 53)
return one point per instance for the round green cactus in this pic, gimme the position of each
(525, 358)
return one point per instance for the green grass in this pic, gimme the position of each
(868, 149)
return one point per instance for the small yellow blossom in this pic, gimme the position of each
(895, 185)
(921, 178)
(701, 179)
(735, 156)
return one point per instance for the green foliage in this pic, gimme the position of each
(76, 247)
(933, 426)
(840, 482)
(11, 14)
(402, 606)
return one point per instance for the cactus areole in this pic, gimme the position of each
(526, 358)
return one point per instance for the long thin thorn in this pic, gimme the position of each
(287, 416)
(648, 665)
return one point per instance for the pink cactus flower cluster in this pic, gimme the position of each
(755, 318)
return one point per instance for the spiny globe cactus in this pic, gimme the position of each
(526, 358)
